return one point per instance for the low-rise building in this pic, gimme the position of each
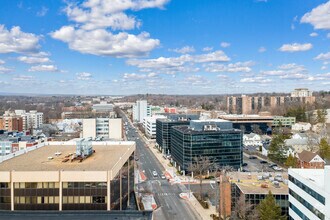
(283, 121)
(309, 193)
(308, 160)
(69, 176)
(252, 139)
(254, 187)
(301, 126)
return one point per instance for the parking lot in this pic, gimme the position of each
(254, 165)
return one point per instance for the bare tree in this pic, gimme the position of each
(244, 210)
(199, 167)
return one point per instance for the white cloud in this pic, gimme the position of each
(323, 67)
(323, 56)
(286, 70)
(2, 62)
(328, 35)
(224, 44)
(5, 70)
(16, 41)
(104, 43)
(294, 76)
(134, 76)
(23, 78)
(216, 56)
(44, 68)
(33, 59)
(257, 79)
(231, 68)
(262, 49)
(295, 47)
(319, 17)
(93, 19)
(206, 49)
(84, 76)
(314, 34)
(43, 11)
(184, 50)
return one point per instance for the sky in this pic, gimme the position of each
(123, 47)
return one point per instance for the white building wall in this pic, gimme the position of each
(89, 128)
(141, 110)
(116, 128)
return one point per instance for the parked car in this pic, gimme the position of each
(276, 168)
(263, 162)
(245, 170)
(163, 177)
(244, 164)
(252, 157)
(154, 173)
(272, 165)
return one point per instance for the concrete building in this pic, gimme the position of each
(102, 107)
(301, 92)
(163, 129)
(141, 109)
(309, 193)
(5, 148)
(301, 126)
(11, 122)
(149, 124)
(110, 128)
(253, 104)
(248, 123)
(69, 176)
(31, 119)
(283, 121)
(254, 187)
(215, 139)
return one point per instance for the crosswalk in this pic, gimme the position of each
(166, 194)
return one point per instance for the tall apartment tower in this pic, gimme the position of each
(141, 109)
(32, 119)
(301, 92)
(11, 122)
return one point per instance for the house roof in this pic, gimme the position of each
(306, 156)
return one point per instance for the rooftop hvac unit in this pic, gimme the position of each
(210, 127)
(276, 184)
(84, 148)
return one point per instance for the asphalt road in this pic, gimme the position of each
(170, 205)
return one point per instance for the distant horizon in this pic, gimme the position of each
(164, 46)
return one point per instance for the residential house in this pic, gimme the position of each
(301, 126)
(308, 160)
(252, 139)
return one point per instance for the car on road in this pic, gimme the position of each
(136, 159)
(154, 173)
(163, 177)
(252, 157)
(244, 164)
(245, 170)
(276, 168)
(263, 162)
(272, 165)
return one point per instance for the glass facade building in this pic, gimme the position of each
(163, 129)
(222, 146)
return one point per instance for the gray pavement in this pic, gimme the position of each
(170, 205)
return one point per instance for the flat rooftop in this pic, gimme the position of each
(104, 158)
(315, 176)
(249, 183)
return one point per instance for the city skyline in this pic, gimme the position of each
(164, 46)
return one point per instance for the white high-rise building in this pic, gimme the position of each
(302, 92)
(103, 127)
(149, 124)
(141, 109)
(32, 119)
(309, 193)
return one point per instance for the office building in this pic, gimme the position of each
(141, 109)
(309, 194)
(109, 128)
(249, 123)
(163, 129)
(69, 176)
(5, 147)
(215, 139)
(149, 124)
(102, 107)
(254, 187)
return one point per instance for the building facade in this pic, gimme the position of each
(141, 109)
(67, 184)
(284, 121)
(31, 119)
(216, 140)
(309, 194)
(163, 129)
(149, 124)
(103, 127)
(11, 122)
(301, 92)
